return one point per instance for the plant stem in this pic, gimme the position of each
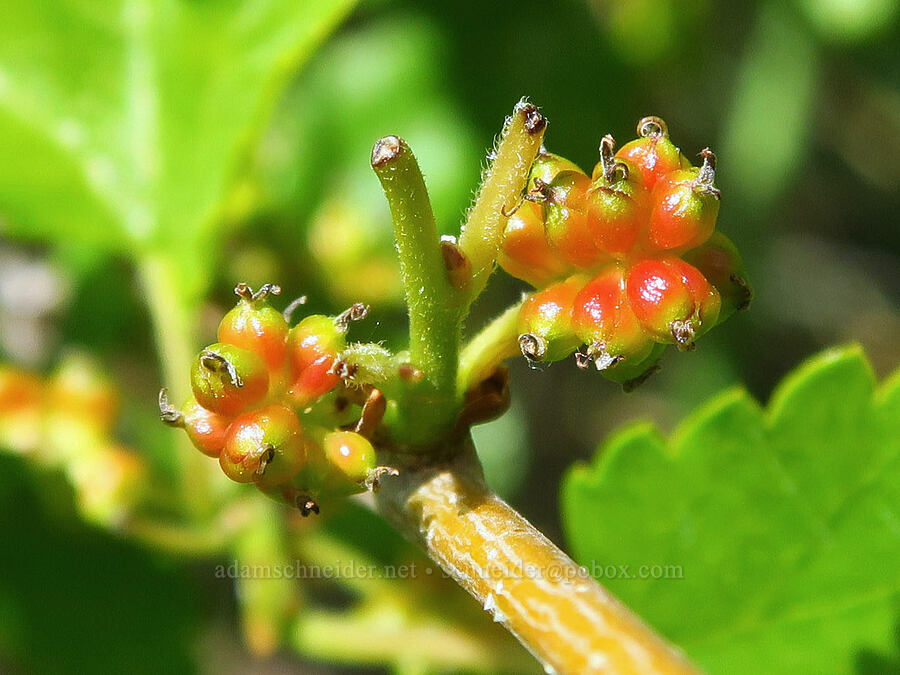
(385, 626)
(434, 317)
(564, 617)
(177, 539)
(501, 189)
(322, 549)
(379, 635)
(172, 321)
(172, 317)
(268, 600)
(495, 343)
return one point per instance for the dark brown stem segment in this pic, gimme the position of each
(564, 617)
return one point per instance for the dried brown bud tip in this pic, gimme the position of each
(168, 413)
(598, 357)
(344, 370)
(607, 149)
(307, 505)
(705, 181)
(709, 159)
(533, 346)
(386, 149)
(683, 332)
(244, 291)
(601, 358)
(604, 360)
(613, 169)
(288, 312)
(216, 363)
(583, 360)
(268, 454)
(355, 312)
(373, 479)
(541, 192)
(535, 122)
(652, 126)
(267, 289)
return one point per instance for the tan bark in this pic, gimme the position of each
(562, 615)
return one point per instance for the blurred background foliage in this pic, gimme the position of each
(117, 209)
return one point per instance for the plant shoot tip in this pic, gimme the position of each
(534, 121)
(386, 149)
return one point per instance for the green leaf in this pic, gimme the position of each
(774, 535)
(121, 121)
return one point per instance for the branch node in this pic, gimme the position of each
(457, 264)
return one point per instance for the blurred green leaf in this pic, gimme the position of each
(76, 597)
(783, 524)
(267, 604)
(646, 31)
(121, 121)
(850, 20)
(386, 76)
(505, 451)
(771, 115)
